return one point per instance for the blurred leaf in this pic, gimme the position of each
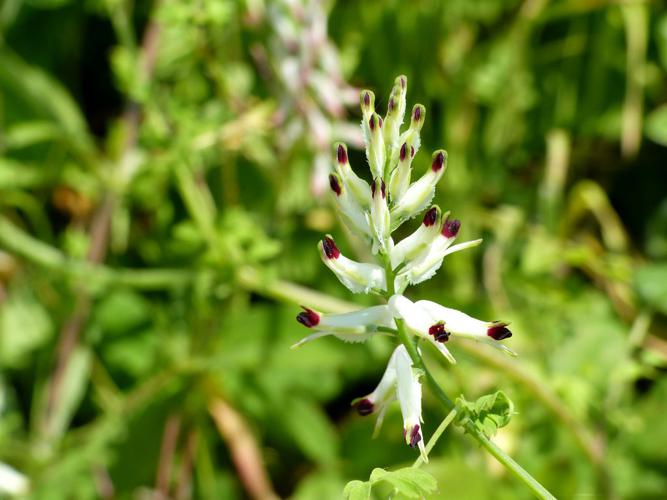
(310, 429)
(651, 280)
(656, 125)
(409, 482)
(357, 490)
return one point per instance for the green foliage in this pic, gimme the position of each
(487, 413)
(161, 198)
(408, 482)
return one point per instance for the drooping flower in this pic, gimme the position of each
(399, 381)
(355, 326)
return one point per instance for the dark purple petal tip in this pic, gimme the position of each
(439, 333)
(499, 331)
(403, 81)
(335, 184)
(417, 113)
(391, 105)
(415, 436)
(308, 317)
(341, 154)
(451, 228)
(365, 407)
(403, 151)
(367, 98)
(438, 161)
(371, 122)
(431, 217)
(330, 248)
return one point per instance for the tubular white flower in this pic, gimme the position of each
(400, 162)
(357, 186)
(378, 400)
(426, 263)
(409, 247)
(421, 192)
(409, 393)
(358, 277)
(379, 217)
(395, 112)
(355, 326)
(375, 148)
(461, 325)
(351, 212)
(420, 323)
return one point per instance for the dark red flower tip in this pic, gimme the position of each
(415, 436)
(403, 151)
(371, 122)
(308, 317)
(403, 81)
(412, 152)
(330, 248)
(335, 185)
(367, 98)
(417, 113)
(380, 122)
(365, 407)
(391, 104)
(383, 188)
(438, 161)
(439, 333)
(451, 228)
(341, 154)
(431, 217)
(499, 331)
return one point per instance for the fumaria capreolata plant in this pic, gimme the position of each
(374, 212)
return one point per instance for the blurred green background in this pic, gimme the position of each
(162, 187)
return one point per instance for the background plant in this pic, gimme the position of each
(150, 206)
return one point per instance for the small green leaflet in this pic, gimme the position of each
(489, 413)
(408, 482)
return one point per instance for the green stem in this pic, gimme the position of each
(436, 435)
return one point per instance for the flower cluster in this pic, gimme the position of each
(374, 212)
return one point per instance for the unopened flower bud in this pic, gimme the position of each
(349, 209)
(395, 112)
(421, 192)
(357, 186)
(375, 148)
(379, 216)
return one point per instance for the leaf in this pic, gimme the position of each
(651, 282)
(410, 482)
(488, 413)
(656, 125)
(18, 175)
(357, 490)
(311, 430)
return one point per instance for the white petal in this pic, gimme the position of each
(376, 316)
(456, 322)
(416, 319)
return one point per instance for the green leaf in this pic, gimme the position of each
(656, 125)
(410, 482)
(311, 430)
(357, 490)
(488, 413)
(651, 281)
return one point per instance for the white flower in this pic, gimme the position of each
(459, 324)
(401, 381)
(420, 193)
(408, 248)
(401, 158)
(351, 212)
(429, 260)
(355, 326)
(358, 277)
(357, 186)
(379, 217)
(419, 322)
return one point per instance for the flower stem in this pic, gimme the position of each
(470, 428)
